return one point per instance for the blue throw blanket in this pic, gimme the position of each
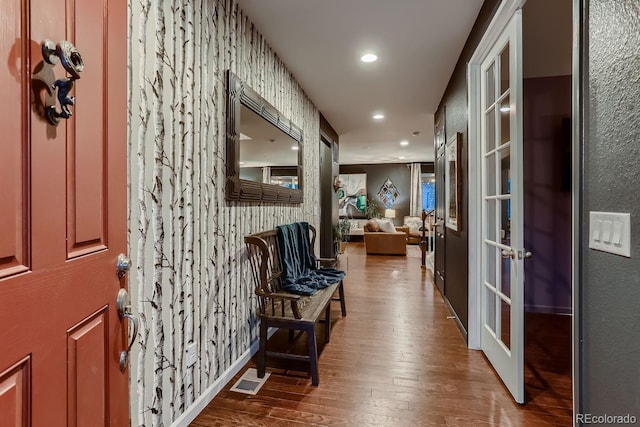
(300, 274)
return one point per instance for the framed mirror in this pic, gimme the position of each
(264, 148)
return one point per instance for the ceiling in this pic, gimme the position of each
(417, 43)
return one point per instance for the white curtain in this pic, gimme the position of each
(415, 208)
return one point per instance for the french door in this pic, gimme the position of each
(502, 253)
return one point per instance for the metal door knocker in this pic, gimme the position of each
(71, 60)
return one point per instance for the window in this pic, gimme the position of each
(428, 191)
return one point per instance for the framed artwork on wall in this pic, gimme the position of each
(388, 194)
(452, 182)
(352, 195)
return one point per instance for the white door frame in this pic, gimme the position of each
(500, 20)
(576, 117)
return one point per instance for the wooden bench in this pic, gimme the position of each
(280, 309)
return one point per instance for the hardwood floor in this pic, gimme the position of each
(397, 360)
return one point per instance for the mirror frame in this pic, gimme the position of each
(238, 94)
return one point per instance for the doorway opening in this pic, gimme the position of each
(547, 143)
(534, 190)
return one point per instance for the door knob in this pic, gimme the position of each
(508, 253)
(123, 264)
(123, 304)
(527, 254)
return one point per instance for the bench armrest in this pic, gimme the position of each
(294, 302)
(292, 298)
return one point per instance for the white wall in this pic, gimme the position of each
(189, 280)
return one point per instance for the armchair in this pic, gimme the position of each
(414, 224)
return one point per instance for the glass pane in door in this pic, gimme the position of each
(490, 308)
(505, 170)
(490, 94)
(490, 222)
(505, 120)
(490, 136)
(504, 69)
(505, 274)
(490, 265)
(492, 187)
(505, 222)
(505, 323)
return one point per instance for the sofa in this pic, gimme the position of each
(382, 238)
(357, 227)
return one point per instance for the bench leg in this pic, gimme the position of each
(262, 351)
(343, 306)
(313, 355)
(327, 323)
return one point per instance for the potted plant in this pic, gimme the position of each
(371, 210)
(341, 233)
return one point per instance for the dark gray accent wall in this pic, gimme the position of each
(609, 312)
(454, 106)
(377, 174)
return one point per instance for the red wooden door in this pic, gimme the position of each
(62, 218)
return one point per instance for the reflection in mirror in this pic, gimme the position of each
(267, 154)
(264, 149)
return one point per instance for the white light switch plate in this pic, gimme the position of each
(191, 354)
(610, 232)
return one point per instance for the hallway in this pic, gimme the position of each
(397, 360)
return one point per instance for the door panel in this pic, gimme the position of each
(87, 371)
(86, 180)
(327, 194)
(15, 398)
(438, 234)
(439, 240)
(68, 184)
(13, 216)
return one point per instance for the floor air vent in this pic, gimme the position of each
(249, 383)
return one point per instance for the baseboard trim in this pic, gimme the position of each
(203, 400)
(463, 331)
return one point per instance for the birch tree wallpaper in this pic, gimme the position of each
(189, 281)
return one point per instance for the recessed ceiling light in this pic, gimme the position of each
(378, 116)
(368, 57)
(401, 158)
(295, 147)
(404, 143)
(505, 109)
